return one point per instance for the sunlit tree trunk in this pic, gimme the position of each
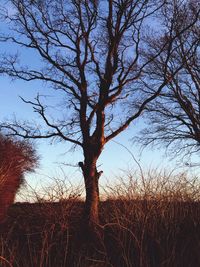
(91, 179)
(91, 212)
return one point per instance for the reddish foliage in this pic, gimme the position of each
(16, 158)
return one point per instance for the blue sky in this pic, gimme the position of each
(56, 156)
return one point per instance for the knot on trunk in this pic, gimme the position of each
(82, 166)
(98, 174)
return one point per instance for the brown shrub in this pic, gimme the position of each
(16, 158)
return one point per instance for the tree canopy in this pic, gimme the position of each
(175, 114)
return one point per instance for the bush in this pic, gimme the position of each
(16, 158)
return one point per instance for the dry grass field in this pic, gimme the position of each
(156, 223)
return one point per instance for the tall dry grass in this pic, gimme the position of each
(148, 219)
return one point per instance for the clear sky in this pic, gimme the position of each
(56, 158)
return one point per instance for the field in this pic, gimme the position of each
(142, 225)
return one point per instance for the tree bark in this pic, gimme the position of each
(91, 209)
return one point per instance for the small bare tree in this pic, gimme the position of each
(16, 158)
(92, 57)
(175, 114)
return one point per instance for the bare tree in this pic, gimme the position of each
(175, 115)
(16, 158)
(91, 55)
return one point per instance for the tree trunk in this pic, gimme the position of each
(91, 209)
